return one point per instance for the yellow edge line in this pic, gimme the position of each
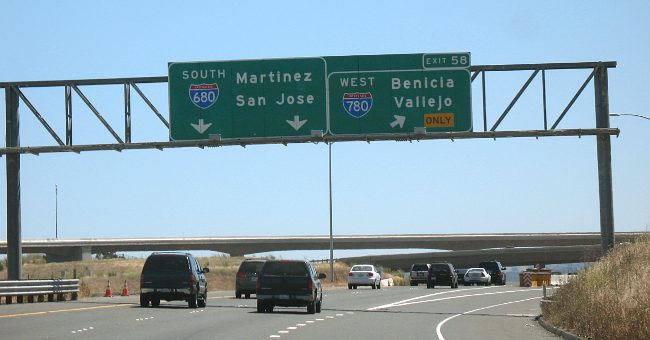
(64, 310)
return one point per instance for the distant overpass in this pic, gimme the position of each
(472, 258)
(82, 249)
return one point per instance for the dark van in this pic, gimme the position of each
(442, 274)
(246, 280)
(496, 271)
(173, 277)
(289, 283)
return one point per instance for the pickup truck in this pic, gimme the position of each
(289, 283)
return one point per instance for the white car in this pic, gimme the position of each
(478, 276)
(364, 275)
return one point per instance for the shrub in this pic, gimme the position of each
(610, 300)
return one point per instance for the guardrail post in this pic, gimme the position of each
(14, 251)
(604, 150)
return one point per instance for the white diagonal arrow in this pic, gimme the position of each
(200, 127)
(296, 123)
(399, 120)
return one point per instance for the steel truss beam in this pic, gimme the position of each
(128, 83)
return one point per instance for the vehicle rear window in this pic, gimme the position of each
(361, 269)
(441, 268)
(285, 269)
(167, 263)
(475, 270)
(489, 265)
(251, 267)
(419, 267)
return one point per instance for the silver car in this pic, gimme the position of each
(476, 275)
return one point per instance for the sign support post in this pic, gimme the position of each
(604, 150)
(14, 250)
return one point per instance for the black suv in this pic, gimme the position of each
(289, 283)
(496, 271)
(246, 280)
(173, 277)
(442, 274)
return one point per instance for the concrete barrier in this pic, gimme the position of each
(38, 290)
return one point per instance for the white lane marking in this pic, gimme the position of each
(320, 319)
(301, 324)
(439, 327)
(411, 302)
(339, 314)
(329, 317)
(424, 296)
(283, 332)
(292, 328)
(274, 336)
(310, 321)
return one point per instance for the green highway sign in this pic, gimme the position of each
(244, 99)
(399, 101)
(333, 95)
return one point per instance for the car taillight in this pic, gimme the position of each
(241, 275)
(350, 274)
(257, 285)
(369, 274)
(310, 284)
(482, 275)
(192, 280)
(141, 280)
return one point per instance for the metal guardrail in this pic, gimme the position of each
(38, 290)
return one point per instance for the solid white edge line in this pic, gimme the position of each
(439, 326)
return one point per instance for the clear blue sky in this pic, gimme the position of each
(466, 186)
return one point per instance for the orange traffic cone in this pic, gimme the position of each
(109, 291)
(125, 290)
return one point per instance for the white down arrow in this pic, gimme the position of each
(296, 123)
(200, 127)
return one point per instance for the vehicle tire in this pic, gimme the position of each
(203, 302)
(413, 284)
(192, 302)
(144, 302)
(319, 305)
(374, 286)
(237, 294)
(354, 287)
(248, 295)
(269, 308)
(428, 285)
(311, 308)
(260, 306)
(465, 284)
(379, 285)
(155, 302)
(349, 286)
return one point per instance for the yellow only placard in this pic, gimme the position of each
(435, 120)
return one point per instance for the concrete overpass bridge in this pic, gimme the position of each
(82, 249)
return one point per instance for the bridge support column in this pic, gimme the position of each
(69, 254)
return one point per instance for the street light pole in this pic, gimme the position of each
(629, 114)
(331, 233)
(56, 211)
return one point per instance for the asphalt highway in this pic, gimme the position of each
(496, 312)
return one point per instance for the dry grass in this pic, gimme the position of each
(96, 274)
(610, 300)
